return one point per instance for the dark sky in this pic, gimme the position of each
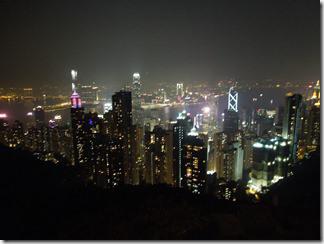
(163, 40)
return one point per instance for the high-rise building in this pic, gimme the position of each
(180, 90)
(215, 158)
(314, 129)
(77, 124)
(123, 129)
(138, 155)
(232, 168)
(270, 162)
(316, 97)
(232, 100)
(180, 131)
(158, 163)
(195, 164)
(39, 115)
(40, 137)
(292, 123)
(78, 134)
(230, 125)
(136, 97)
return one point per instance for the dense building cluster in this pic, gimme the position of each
(250, 148)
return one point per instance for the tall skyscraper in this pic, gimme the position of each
(195, 164)
(292, 122)
(136, 97)
(232, 100)
(180, 131)
(231, 121)
(77, 122)
(123, 129)
(314, 128)
(40, 133)
(232, 169)
(158, 163)
(180, 91)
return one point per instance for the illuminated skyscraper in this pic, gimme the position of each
(292, 122)
(180, 131)
(270, 161)
(180, 91)
(231, 121)
(136, 97)
(314, 129)
(232, 168)
(77, 124)
(316, 97)
(78, 134)
(40, 136)
(158, 164)
(232, 100)
(195, 164)
(123, 129)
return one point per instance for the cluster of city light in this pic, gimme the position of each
(3, 115)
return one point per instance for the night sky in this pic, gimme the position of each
(176, 40)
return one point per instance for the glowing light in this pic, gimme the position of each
(232, 99)
(30, 114)
(3, 116)
(193, 132)
(283, 143)
(206, 110)
(211, 172)
(74, 74)
(136, 76)
(57, 117)
(258, 145)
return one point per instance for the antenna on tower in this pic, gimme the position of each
(74, 75)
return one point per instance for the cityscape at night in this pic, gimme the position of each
(160, 120)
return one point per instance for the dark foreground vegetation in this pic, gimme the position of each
(44, 201)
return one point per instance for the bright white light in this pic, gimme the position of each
(258, 145)
(269, 146)
(136, 76)
(107, 107)
(206, 110)
(30, 114)
(57, 117)
(2, 116)
(74, 74)
(211, 172)
(283, 144)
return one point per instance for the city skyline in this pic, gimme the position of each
(160, 120)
